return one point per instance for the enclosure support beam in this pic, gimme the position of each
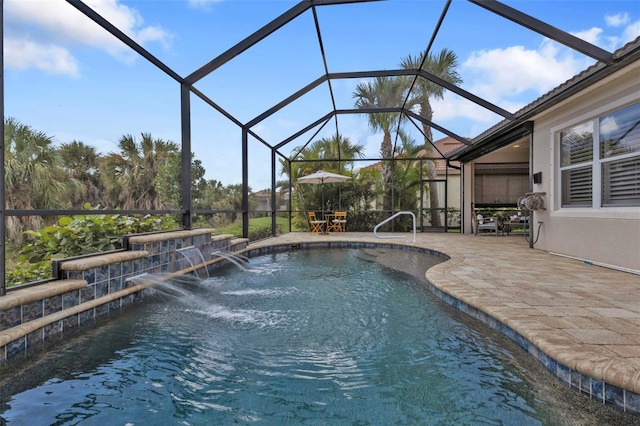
(245, 183)
(185, 117)
(108, 26)
(274, 208)
(3, 288)
(546, 30)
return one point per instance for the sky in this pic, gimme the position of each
(69, 78)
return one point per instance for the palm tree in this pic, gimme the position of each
(34, 177)
(131, 175)
(337, 151)
(82, 162)
(383, 92)
(406, 174)
(444, 66)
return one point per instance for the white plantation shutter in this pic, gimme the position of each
(605, 150)
(577, 187)
(621, 182)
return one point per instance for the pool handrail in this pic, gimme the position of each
(375, 229)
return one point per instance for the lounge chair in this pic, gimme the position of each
(338, 223)
(485, 224)
(316, 226)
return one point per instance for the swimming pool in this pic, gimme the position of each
(305, 337)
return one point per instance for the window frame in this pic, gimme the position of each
(596, 164)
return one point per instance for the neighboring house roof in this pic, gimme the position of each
(443, 146)
(266, 193)
(262, 193)
(494, 137)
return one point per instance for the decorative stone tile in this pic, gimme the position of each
(614, 396)
(493, 323)
(114, 305)
(102, 309)
(564, 374)
(115, 284)
(52, 329)
(508, 332)
(31, 311)
(102, 273)
(585, 385)
(155, 248)
(551, 364)
(70, 322)
(10, 317)
(128, 283)
(575, 380)
(86, 316)
(87, 293)
(127, 300)
(89, 275)
(127, 267)
(597, 390)
(16, 347)
(102, 288)
(632, 402)
(52, 304)
(74, 275)
(34, 338)
(70, 299)
(522, 342)
(138, 265)
(115, 270)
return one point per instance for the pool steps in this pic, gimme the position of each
(92, 286)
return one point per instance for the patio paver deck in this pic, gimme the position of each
(583, 316)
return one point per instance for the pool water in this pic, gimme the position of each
(318, 337)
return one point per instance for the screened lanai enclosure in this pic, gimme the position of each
(112, 113)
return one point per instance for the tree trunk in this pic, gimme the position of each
(434, 207)
(385, 170)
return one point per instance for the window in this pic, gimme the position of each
(600, 161)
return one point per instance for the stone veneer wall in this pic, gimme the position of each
(95, 285)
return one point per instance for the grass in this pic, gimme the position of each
(255, 225)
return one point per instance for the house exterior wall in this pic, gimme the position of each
(607, 235)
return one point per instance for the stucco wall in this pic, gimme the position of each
(606, 235)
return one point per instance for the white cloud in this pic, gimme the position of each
(54, 26)
(592, 35)
(452, 107)
(617, 20)
(372, 145)
(501, 74)
(631, 32)
(23, 54)
(202, 4)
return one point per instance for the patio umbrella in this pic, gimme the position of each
(321, 177)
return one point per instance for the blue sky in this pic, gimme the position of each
(67, 77)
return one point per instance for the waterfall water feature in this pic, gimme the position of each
(237, 259)
(195, 258)
(168, 284)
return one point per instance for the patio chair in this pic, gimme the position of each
(315, 224)
(481, 223)
(338, 223)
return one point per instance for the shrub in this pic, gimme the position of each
(78, 235)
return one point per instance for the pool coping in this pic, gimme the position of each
(611, 380)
